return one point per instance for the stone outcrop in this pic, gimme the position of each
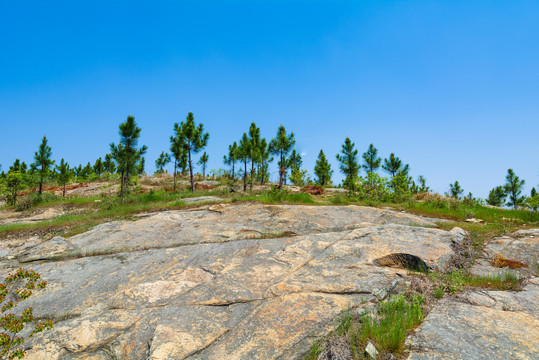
(481, 325)
(230, 281)
(488, 325)
(521, 246)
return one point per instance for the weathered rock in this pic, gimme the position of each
(216, 282)
(521, 246)
(200, 199)
(40, 215)
(225, 222)
(481, 325)
(47, 250)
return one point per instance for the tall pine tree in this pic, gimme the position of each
(192, 139)
(43, 162)
(126, 154)
(322, 169)
(349, 163)
(254, 150)
(280, 146)
(513, 188)
(264, 158)
(63, 176)
(244, 151)
(371, 159)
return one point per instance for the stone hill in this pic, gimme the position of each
(232, 281)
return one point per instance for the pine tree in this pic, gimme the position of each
(178, 152)
(349, 163)
(294, 164)
(87, 171)
(244, 152)
(126, 155)
(254, 150)
(455, 190)
(78, 171)
(295, 161)
(231, 158)
(393, 165)
(323, 170)
(533, 200)
(14, 181)
(18, 166)
(63, 176)
(513, 188)
(423, 188)
(203, 161)
(141, 166)
(496, 196)
(161, 162)
(371, 159)
(281, 145)
(98, 167)
(192, 139)
(264, 158)
(43, 162)
(108, 164)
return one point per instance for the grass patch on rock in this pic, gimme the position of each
(458, 280)
(385, 328)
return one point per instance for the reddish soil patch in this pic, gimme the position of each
(501, 262)
(313, 190)
(54, 188)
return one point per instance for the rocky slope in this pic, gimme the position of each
(484, 325)
(231, 281)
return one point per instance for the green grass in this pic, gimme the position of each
(386, 329)
(396, 317)
(458, 280)
(459, 211)
(278, 197)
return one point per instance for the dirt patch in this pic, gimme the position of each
(500, 262)
(313, 190)
(199, 186)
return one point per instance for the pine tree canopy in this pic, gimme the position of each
(349, 162)
(513, 188)
(371, 159)
(322, 169)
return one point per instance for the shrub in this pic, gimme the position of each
(374, 187)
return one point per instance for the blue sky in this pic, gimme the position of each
(451, 87)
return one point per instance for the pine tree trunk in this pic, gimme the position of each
(252, 174)
(175, 163)
(41, 180)
(245, 176)
(281, 171)
(122, 184)
(64, 191)
(233, 174)
(191, 172)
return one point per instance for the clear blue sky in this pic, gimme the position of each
(452, 87)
